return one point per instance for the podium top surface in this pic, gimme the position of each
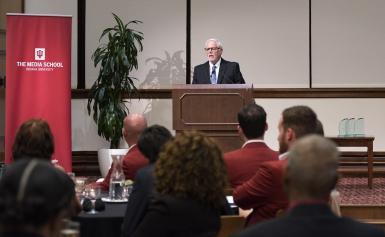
(208, 86)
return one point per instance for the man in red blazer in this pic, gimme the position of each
(310, 176)
(243, 163)
(264, 191)
(133, 125)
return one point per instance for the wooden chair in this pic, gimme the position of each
(231, 225)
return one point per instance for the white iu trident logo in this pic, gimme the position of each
(39, 53)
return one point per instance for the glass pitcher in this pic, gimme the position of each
(117, 178)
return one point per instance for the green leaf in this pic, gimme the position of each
(116, 59)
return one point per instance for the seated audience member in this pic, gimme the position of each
(319, 128)
(264, 191)
(310, 176)
(150, 143)
(133, 126)
(190, 178)
(243, 163)
(34, 198)
(34, 139)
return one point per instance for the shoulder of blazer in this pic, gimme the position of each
(203, 65)
(224, 62)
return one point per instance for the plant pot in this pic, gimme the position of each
(105, 159)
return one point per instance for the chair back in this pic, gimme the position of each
(231, 225)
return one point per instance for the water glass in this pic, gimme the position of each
(79, 186)
(342, 127)
(351, 127)
(92, 192)
(360, 127)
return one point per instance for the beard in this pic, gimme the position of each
(283, 147)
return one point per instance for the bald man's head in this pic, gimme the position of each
(133, 126)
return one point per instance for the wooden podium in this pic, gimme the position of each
(211, 109)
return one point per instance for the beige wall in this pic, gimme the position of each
(164, 27)
(59, 7)
(348, 43)
(269, 38)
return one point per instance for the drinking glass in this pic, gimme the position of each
(360, 127)
(351, 127)
(342, 131)
(79, 186)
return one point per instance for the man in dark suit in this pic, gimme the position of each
(150, 143)
(217, 70)
(264, 191)
(242, 164)
(310, 176)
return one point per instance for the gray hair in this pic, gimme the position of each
(312, 167)
(217, 42)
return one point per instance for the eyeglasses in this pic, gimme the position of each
(212, 49)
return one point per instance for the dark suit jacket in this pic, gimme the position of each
(132, 162)
(169, 216)
(139, 199)
(243, 163)
(315, 220)
(263, 192)
(229, 73)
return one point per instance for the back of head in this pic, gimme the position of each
(133, 126)
(33, 139)
(302, 119)
(32, 193)
(191, 166)
(319, 128)
(151, 141)
(252, 120)
(311, 172)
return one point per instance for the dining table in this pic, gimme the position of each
(106, 223)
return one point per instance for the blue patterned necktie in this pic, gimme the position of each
(213, 76)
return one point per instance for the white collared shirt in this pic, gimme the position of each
(216, 69)
(130, 147)
(283, 156)
(252, 141)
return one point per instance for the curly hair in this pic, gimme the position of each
(191, 166)
(33, 139)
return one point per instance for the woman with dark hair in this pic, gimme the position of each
(190, 178)
(34, 198)
(34, 139)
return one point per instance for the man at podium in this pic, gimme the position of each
(217, 70)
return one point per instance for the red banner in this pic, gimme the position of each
(38, 79)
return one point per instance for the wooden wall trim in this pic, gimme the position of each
(85, 163)
(267, 93)
(320, 93)
(143, 94)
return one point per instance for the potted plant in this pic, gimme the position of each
(117, 58)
